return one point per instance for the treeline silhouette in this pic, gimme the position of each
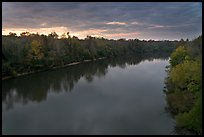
(31, 52)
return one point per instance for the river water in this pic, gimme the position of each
(110, 96)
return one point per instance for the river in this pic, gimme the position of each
(110, 96)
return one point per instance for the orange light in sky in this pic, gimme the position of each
(62, 29)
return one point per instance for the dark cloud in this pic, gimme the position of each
(156, 20)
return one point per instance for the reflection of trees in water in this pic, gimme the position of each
(35, 87)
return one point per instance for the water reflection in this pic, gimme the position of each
(35, 87)
(112, 96)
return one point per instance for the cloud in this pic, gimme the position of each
(116, 23)
(43, 24)
(90, 32)
(120, 17)
(156, 26)
(122, 35)
(135, 23)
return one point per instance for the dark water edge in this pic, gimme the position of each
(50, 68)
(143, 55)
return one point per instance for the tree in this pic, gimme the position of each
(178, 56)
(36, 50)
(29, 50)
(24, 34)
(185, 74)
(53, 35)
(12, 34)
(184, 86)
(63, 36)
(68, 35)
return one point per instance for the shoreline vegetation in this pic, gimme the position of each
(184, 87)
(51, 68)
(30, 53)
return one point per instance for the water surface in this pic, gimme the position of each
(111, 96)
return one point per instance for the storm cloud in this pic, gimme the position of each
(158, 20)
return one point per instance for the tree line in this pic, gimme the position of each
(30, 52)
(184, 86)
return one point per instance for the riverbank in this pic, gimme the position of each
(51, 68)
(184, 88)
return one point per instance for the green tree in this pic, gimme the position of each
(36, 49)
(178, 56)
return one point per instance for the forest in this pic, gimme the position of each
(31, 52)
(184, 86)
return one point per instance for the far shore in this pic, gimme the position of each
(51, 68)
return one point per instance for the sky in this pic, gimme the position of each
(112, 20)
